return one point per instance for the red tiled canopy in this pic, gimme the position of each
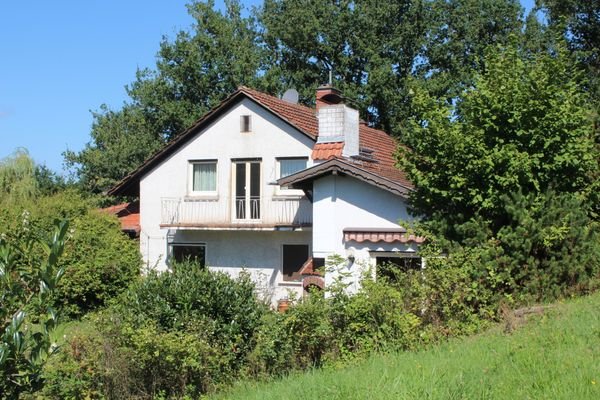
(375, 235)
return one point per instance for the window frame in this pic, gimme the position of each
(248, 196)
(202, 193)
(171, 257)
(243, 124)
(286, 191)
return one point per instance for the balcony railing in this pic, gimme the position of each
(267, 211)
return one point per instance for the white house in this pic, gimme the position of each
(272, 187)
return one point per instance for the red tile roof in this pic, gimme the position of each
(381, 145)
(302, 117)
(128, 214)
(305, 119)
(325, 151)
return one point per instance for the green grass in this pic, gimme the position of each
(554, 356)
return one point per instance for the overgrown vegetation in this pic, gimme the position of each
(29, 274)
(498, 117)
(494, 365)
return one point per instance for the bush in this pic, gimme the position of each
(29, 274)
(201, 323)
(102, 262)
(99, 260)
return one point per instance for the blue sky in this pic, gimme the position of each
(60, 59)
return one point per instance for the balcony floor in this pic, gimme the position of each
(240, 227)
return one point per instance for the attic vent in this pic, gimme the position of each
(245, 123)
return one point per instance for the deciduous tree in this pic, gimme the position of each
(525, 127)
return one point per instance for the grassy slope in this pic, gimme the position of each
(554, 356)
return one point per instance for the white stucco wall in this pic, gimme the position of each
(222, 140)
(345, 202)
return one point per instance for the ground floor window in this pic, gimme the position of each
(294, 257)
(393, 267)
(187, 252)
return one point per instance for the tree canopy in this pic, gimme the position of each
(373, 49)
(525, 127)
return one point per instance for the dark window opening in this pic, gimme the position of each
(393, 268)
(319, 264)
(195, 254)
(245, 123)
(294, 257)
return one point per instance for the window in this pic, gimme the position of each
(204, 177)
(245, 123)
(289, 166)
(188, 252)
(294, 257)
(392, 267)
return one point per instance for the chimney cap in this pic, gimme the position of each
(327, 94)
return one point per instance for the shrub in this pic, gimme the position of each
(29, 274)
(272, 348)
(99, 260)
(200, 322)
(102, 262)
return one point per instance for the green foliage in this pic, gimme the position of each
(493, 365)
(459, 33)
(100, 261)
(17, 178)
(372, 49)
(525, 127)
(188, 331)
(81, 369)
(26, 320)
(578, 22)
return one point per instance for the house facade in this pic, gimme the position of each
(274, 188)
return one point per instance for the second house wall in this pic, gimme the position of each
(344, 202)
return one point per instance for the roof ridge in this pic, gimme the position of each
(251, 91)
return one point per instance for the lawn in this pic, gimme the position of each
(553, 356)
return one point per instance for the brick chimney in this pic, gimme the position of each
(327, 94)
(337, 121)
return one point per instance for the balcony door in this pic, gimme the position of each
(247, 190)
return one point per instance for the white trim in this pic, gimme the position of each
(202, 193)
(280, 191)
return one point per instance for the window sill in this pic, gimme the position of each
(201, 197)
(288, 196)
(290, 283)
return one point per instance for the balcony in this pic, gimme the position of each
(260, 213)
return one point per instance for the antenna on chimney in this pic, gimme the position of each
(331, 77)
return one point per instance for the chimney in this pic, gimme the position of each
(337, 121)
(327, 94)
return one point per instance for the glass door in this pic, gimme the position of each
(247, 190)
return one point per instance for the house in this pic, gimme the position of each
(271, 187)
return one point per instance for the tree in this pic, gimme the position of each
(17, 178)
(373, 48)
(579, 21)
(193, 73)
(370, 48)
(26, 321)
(459, 32)
(525, 127)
